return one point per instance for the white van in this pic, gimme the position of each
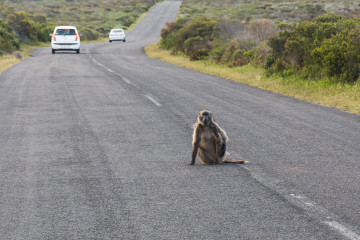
(65, 38)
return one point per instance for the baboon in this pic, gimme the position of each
(209, 141)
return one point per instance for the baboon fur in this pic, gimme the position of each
(209, 141)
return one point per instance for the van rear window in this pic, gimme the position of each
(65, 31)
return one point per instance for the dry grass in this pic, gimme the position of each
(344, 97)
(8, 61)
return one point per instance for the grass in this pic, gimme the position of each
(9, 60)
(345, 97)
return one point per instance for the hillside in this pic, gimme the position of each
(30, 22)
(100, 16)
(274, 10)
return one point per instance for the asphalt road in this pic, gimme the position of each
(97, 145)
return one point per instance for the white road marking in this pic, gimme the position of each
(97, 63)
(304, 201)
(309, 204)
(126, 80)
(297, 196)
(153, 100)
(343, 230)
(110, 70)
(148, 96)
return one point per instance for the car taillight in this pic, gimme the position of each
(76, 37)
(54, 36)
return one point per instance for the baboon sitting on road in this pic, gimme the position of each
(209, 141)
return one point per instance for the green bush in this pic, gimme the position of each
(127, 18)
(340, 56)
(168, 34)
(204, 27)
(89, 34)
(29, 28)
(238, 52)
(329, 41)
(259, 54)
(196, 48)
(206, 38)
(196, 39)
(8, 42)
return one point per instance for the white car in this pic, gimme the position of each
(117, 35)
(65, 38)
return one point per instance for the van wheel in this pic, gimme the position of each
(110, 41)
(78, 51)
(52, 51)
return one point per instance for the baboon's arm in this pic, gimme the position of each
(222, 149)
(196, 142)
(194, 151)
(215, 129)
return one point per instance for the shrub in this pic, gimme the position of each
(203, 27)
(168, 34)
(29, 28)
(329, 41)
(238, 52)
(129, 19)
(196, 48)
(196, 39)
(215, 40)
(89, 34)
(216, 51)
(8, 42)
(260, 54)
(340, 56)
(263, 30)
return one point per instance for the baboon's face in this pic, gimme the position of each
(205, 117)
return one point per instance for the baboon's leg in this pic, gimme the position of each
(207, 157)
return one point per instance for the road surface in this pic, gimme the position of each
(97, 145)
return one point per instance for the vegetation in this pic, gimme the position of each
(327, 46)
(206, 38)
(285, 11)
(307, 46)
(17, 27)
(30, 22)
(303, 38)
(8, 60)
(340, 95)
(8, 41)
(90, 16)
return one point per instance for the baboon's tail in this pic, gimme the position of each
(236, 161)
